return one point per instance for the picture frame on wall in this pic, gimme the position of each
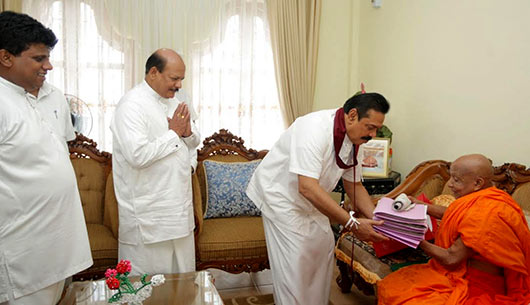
(374, 157)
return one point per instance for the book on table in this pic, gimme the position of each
(407, 227)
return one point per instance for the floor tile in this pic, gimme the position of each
(245, 284)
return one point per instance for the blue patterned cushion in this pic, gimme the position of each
(226, 183)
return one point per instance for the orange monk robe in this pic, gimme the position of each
(492, 224)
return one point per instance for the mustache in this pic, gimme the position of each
(367, 138)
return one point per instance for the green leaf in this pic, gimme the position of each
(384, 132)
(116, 297)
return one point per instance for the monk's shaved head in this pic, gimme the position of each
(476, 165)
(470, 173)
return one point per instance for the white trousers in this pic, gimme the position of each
(46, 296)
(301, 264)
(172, 256)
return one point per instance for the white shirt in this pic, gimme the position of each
(306, 148)
(43, 236)
(151, 168)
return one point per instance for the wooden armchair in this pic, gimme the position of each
(93, 170)
(430, 178)
(235, 244)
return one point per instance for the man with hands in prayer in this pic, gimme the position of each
(154, 147)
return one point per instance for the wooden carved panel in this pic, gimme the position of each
(509, 175)
(83, 147)
(225, 143)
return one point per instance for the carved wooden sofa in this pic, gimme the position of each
(430, 178)
(235, 244)
(93, 170)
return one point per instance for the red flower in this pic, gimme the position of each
(113, 283)
(123, 266)
(111, 273)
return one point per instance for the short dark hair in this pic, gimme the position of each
(19, 31)
(366, 101)
(155, 60)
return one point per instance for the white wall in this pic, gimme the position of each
(456, 73)
(337, 67)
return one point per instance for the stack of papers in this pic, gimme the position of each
(407, 227)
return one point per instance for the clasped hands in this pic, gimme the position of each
(180, 123)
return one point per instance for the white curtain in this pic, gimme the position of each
(295, 27)
(233, 76)
(91, 61)
(103, 46)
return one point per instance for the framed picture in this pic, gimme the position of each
(374, 157)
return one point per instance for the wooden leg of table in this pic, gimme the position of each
(344, 279)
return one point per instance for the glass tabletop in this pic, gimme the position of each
(193, 288)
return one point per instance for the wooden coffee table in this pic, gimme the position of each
(193, 288)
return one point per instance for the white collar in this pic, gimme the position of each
(152, 93)
(12, 86)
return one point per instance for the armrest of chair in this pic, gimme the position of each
(197, 204)
(428, 177)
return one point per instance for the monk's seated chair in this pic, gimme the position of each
(429, 178)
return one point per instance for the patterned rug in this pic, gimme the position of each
(266, 299)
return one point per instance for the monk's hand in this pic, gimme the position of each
(366, 232)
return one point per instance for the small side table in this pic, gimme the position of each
(382, 185)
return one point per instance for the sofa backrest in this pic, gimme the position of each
(91, 180)
(222, 146)
(93, 169)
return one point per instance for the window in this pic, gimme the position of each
(234, 85)
(230, 71)
(86, 66)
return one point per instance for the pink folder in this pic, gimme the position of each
(407, 227)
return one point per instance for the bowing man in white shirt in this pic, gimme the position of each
(43, 236)
(154, 154)
(291, 187)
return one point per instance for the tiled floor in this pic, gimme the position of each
(245, 284)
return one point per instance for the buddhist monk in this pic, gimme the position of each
(481, 253)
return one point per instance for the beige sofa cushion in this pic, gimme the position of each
(233, 238)
(431, 187)
(111, 207)
(90, 176)
(443, 200)
(522, 196)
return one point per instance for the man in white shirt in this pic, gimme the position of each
(154, 153)
(291, 187)
(43, 236)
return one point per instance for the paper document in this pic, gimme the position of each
(407, 227)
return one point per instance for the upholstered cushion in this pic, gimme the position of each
(527, 216)
(443, 200)
(110, 216)
(431, 187)
(104, 252)
(102, 242)
(90, 175)
(226, 183)
(232, 238)
(522, 196)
